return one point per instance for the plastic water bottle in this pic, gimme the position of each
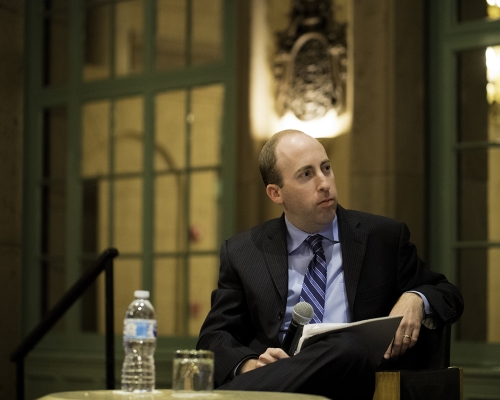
(139, 342)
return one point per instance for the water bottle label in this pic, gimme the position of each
(139, 328)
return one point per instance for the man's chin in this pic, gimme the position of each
(327, 216)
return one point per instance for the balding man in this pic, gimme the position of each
(349, 265)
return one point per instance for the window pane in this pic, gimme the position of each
(55, 142)
(95, 2)
(90, 217)
(473, 104)
(470, 10)
(129, 37)
(53, 247)
(97, 43)
(89, 302)
(95, 138)
(54, 220)
(204, 211)
(54, 287)
(493, 92)
(472, 271)
(170, 131)
(56, 48)
(103, 221)
(493, 279)
(170, 230)
(479, 282)
(206, 46)
(168, 295)
(128, 125)
(56, 5)
(127, 278)
(207, 103)
(171, 35)
(494, 195)
(479, 191)
(54, 206)
(127, 216)
(203, 273)
(473, 195)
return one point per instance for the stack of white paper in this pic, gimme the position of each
(377, 334)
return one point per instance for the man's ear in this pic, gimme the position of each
(274, 193)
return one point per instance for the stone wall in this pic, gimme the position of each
(387, 138)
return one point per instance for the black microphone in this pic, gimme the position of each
(301, 315)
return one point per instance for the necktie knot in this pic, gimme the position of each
(315, 242)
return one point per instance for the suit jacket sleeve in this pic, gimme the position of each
(380, 264)
(227, 330)
(444, 297)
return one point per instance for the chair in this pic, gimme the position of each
(423, 372)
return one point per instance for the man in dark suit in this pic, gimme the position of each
(372, 270)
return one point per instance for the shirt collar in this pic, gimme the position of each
(295, 237)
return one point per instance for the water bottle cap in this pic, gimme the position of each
(141, 294)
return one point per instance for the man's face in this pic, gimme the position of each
(308, 195)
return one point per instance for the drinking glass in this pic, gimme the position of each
(193, 371)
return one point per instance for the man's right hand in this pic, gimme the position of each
(271, 355)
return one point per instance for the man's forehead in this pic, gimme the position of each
(297, 155)
(296, 145)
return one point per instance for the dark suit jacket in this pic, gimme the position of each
(379, 265)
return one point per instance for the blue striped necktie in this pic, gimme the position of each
(314, 286)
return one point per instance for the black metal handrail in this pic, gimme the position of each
(104, 262)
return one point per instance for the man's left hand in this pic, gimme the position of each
(410, 306)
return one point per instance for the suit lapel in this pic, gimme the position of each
(276, 256)
(353, 242)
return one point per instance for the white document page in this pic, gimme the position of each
(377, 334)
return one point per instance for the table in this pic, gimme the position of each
(169, 394)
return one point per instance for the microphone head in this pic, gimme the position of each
(302, 313)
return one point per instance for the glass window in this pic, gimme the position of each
(114, 39)
(206, 44)
(97, 42)
(128, 135)
(470, 10)
(56, 43)
(131, 158)
(186, 223)
(54, 207)
(188, 38)
(170, 130)
(169, 288)
(95, 138)
(129, 37)
(171, 35)
(478, 190)
(206, 116)
(203, 274)
(204, 210)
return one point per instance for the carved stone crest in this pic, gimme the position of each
(310, 62)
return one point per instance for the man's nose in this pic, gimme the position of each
(323, 184)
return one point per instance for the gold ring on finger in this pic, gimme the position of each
(407, 336)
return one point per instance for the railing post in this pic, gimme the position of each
(110, 330)
(20, 378)
(104, 262)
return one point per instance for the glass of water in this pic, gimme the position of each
(193, 371)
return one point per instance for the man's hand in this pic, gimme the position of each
(271, 355)
(410, 306)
